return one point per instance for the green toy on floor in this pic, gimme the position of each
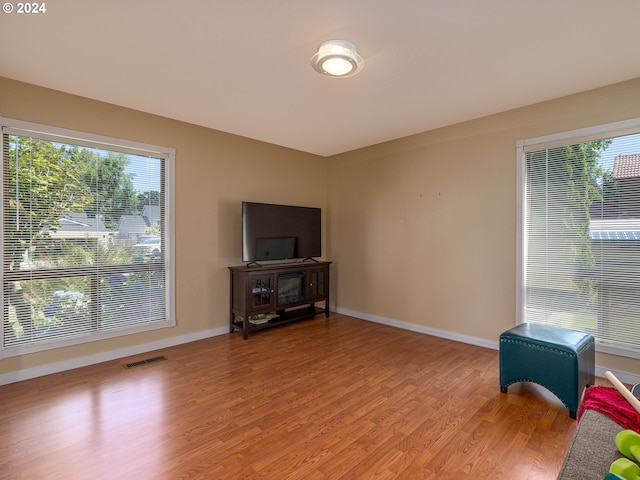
(624, 468)
(628, 443)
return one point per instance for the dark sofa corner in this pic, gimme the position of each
(592, 449)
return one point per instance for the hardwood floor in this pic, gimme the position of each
(336, 398)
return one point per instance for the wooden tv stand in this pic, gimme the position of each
(269, 295)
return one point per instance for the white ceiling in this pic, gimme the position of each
(243, 66)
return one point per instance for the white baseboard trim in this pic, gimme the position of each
(624, 377)
(481, 342)
(56, 367)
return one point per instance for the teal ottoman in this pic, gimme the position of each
(562, 361)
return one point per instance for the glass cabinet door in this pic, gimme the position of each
(317, 283)
(261, 290)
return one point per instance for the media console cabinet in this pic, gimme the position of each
(270, 295)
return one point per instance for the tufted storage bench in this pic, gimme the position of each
(561, 360)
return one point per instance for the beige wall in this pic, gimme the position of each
(423, 229)
(214, 173)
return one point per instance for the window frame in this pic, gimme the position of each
(89, 140)
(608, 130)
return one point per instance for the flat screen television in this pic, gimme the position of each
(280, 232)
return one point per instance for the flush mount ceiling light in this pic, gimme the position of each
(337, 58)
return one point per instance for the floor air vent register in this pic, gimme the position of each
(145, 362)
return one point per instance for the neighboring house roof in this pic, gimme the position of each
(79, 225)
(151, 214)
(615, 229)
(626, 166)
(79, 221)
(131, 224)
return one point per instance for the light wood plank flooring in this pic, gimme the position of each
(336, 398)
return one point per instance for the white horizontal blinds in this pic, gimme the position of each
(582, 238)
(83, 240)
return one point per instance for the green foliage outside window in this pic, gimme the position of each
(46, 182)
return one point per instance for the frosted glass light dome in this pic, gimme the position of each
(337, 58)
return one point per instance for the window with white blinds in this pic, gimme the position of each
(579, 242)
(85, 237)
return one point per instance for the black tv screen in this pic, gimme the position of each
(280, 232)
